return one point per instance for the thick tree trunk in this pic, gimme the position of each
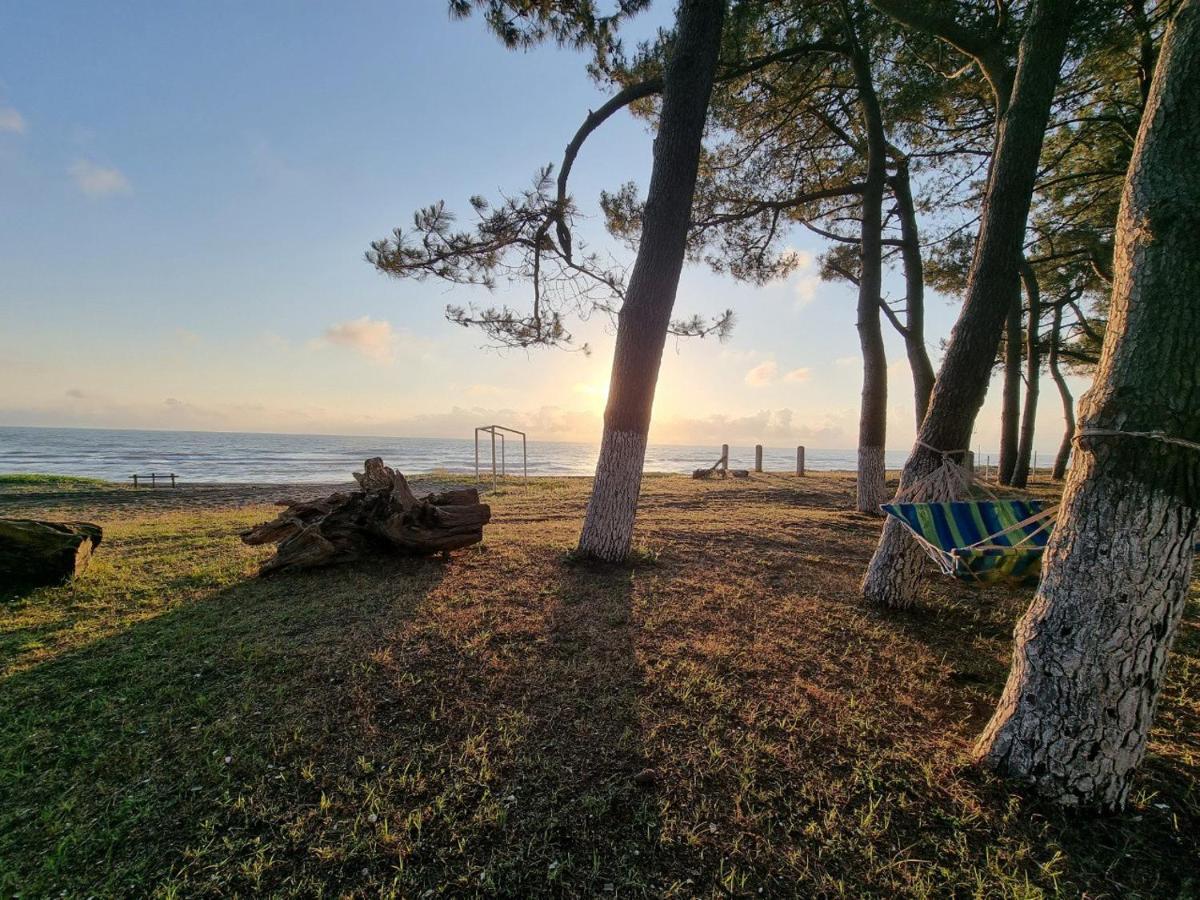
(914, 285)
(34, 553)
(872, 415)
(891, 577)
(646, 313)
(1033, 368)
(1091, 651)
(1064, 392)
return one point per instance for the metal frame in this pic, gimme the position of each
(499, 431)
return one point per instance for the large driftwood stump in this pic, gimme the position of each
(34, 553)
(383, 517)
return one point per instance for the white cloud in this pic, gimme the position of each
(805, 281)
(98, 181)
(11, 120)
(800, 374)
(762, 374)
(806, 290)
(373, 338)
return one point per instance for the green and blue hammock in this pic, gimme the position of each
(981, 541)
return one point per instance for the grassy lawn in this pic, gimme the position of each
(722, 718)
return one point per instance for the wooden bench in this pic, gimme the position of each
(155, 477)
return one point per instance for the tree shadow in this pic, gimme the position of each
(117, 756)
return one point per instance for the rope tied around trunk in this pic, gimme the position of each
(948, 481)
(1160, 436)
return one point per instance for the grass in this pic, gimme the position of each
(36, 479)
(721, 718)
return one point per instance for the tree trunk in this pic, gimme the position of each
(914, 285)
(34, 553)
(872, 416)
(891, 577)
(646, 313)
(1091, 651)
(1064, 392)
(1010, 408)
(1033, 367)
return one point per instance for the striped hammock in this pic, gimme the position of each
(981, 541)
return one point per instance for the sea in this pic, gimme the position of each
(208, 456)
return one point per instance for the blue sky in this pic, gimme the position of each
(188, 189)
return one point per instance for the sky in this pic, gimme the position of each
(187, 191)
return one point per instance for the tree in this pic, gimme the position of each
(646, 313)
(1010, 407)
(1023, 96)
(1091, 652)
(1033, 370)
(808, 144)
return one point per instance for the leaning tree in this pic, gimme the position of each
(529, 236)
(1023, 90)
(1091, 652)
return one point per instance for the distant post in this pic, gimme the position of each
(758, 457)
(800, 461)
(724, 457)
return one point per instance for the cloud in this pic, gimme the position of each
(805, 279)
(800, 374)
(11, 120)
(77, 394)
(272, 341)
(373, 338)
(762, 374)
(806, 290)
(779, 427)
(98, 181)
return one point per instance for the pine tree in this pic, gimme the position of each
(1091, 652)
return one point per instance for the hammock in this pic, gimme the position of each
(981, 541)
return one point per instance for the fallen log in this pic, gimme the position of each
(33, 553)
(383, 517)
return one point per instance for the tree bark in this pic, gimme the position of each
(384, 517)
(914, 285)
(872, 416)
(34, 553)
(1033, 368)
(1010, 408)
(892, 575)
(1091, 652)
(1064, 392)
(646, 313)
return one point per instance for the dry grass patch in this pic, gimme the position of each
(721, 718)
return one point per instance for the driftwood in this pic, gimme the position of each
(383, 517)
(34, 553)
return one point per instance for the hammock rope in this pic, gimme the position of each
(1160, 436)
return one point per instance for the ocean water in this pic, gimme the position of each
(204, 456)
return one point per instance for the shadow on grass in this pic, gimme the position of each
(115, 757)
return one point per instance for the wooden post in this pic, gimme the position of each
(493, 434)
(800, 461)
(724, 460)
(758, 457)
(172, 479)
(135, 484)
(153, 480)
